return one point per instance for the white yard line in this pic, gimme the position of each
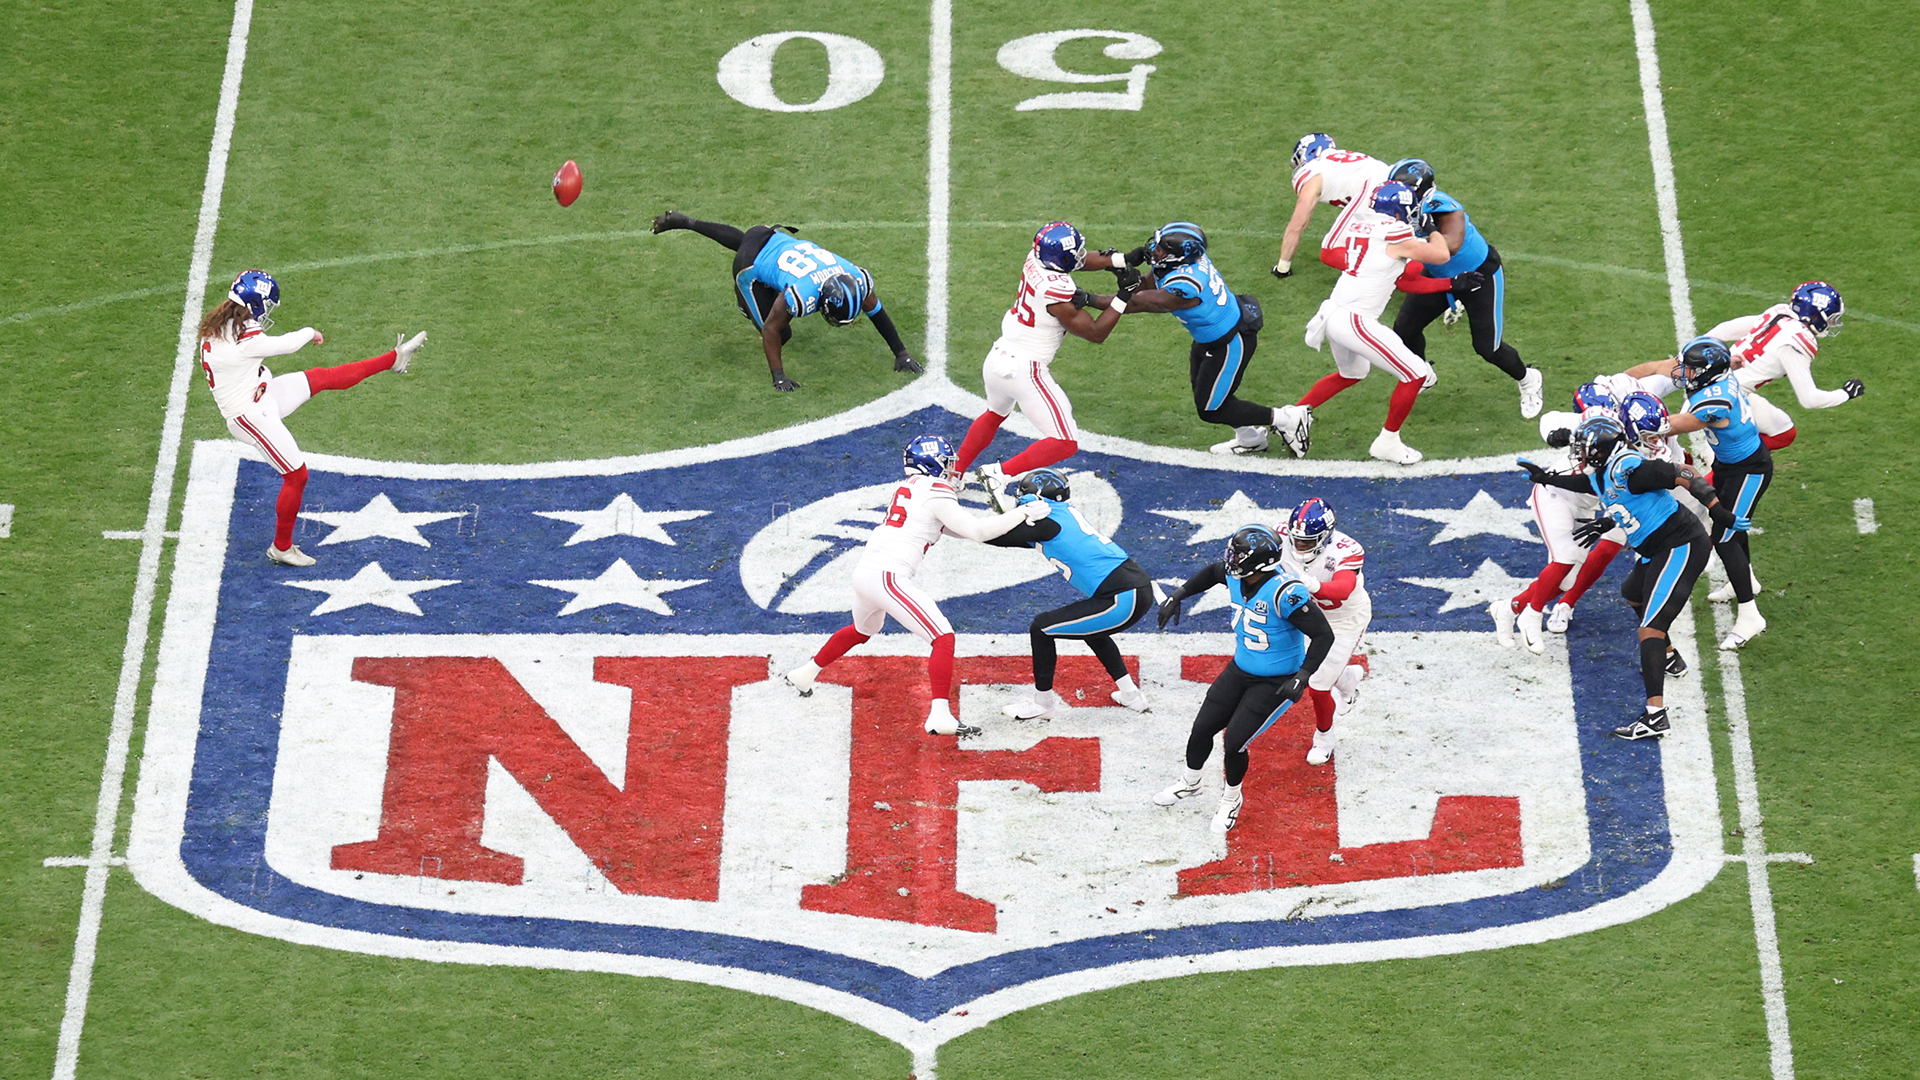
(106, 816)
(1863, 519)
(939, 201)
(1733, 692)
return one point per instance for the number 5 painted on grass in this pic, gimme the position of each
(1033, 57)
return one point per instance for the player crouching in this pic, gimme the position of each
(1279, 636)
(1330, 563)
(924, 508)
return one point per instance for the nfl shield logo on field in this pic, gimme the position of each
(533, 715)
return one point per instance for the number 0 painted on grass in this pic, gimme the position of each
(1033, 57)
(854, 70)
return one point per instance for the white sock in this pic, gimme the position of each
(1232, 793)
(1192, 778)
(1045, 698)
(1125, 682)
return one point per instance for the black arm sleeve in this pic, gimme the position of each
(1214, 573)
(883, 322)
(1576, 484)
(1313, 623)
(1652, 476)
(1027, 534)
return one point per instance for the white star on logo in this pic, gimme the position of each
(1206, 601)
(1487, 584)
(378, 518)
(618, 585)
(1219, 524)
(1482, 514)
(370, 586)
(621, 517)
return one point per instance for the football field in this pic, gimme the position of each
(1743, 901)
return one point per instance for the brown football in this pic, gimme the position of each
(566, 184)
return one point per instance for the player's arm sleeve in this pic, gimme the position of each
(1028, 534)
(1652, 476)
(1800, 373)
(1414, 280)
(1309, 620)
(1575, 483)
(1339, 587)
(261, 346)
(959, 522)
(1214, 573)
(883, 322)
(1734, 329)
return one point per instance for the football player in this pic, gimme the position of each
(779, 278)
(1378, 241)
(234, 347)
(1280, 635)
(1225, 329)
(1478, 283)
(924, 508)
(1118, 592)
(1047, 307)
(1331, 565)
(1323, 173)
(1637, 494)
(1781, 343)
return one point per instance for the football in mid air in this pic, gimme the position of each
(566, 184)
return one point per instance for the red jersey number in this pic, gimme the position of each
(1757, 343)
(897, 513)
(1022, 304)
(1356, 250)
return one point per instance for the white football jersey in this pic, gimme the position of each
(1340, 552)
(1366, 284)
(911, 526)
(1028, 330)
(1345, 175)
(1622, 384)
(1776, 345)
(236, 370)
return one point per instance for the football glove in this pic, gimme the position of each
(1535, 473)
(1081, 298)
(1560, 438)
(1137, 256)
(1722, 517)
(1035, 510)
(1129, 282)
(1854, 388)
(1170, 610)
(1293, 686)
(1470, 282)
(905, 362)
(784, 384)
(1589, 532)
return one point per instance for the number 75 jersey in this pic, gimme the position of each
(1028, 330)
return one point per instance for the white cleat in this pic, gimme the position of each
(1246, 440)
(403, 350)
(1532, 634)
(1180, 790)
(1502, 613)
(995, 480)
(1322, 751)
(801, 678)
(293, 556)
(1294, 425)
(1388, 447)
(1133, 699)
(1532, 397)
(1225, 818)
(1751, 624)
(1560, 618)
(1028, 710)
(1725, 595)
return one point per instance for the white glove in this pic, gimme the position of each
(1035, 510)
(1313, 585)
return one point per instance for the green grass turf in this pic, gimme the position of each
(372, 131)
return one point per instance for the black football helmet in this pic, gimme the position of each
(1049, 484)
(842, 297)
(1414, 173)
(1253, 549)
(1703, 360)
(1176, 244)
(1595, 440)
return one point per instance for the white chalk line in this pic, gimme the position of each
(106, 814)
(1864, 521)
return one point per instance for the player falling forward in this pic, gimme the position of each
(777, 279)
(1331, 565)
(1118, 592)
(1047, 307)
(234, 347)
(1279, 636)
(1323, 173)
(924, 508)
(1379, 241)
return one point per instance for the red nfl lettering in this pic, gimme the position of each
(658, 835)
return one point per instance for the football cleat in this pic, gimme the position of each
(1817, 304)
(1028, 710)
(1294, 425)
(1388, 447)
(1322, 750)
(1532, 397)
(1676, 664)
(1532, 635)
(1646, 726)
(1225, 818)
(941, 722)
(1133, 699)
(1750, 624)
(293, 556)
(994, 479)
(1725, 593)
(1235, 446)
(1560, 618)
(801, 678)
(1180, 790)
(403, 350)
(1503, 620)
(672, 219)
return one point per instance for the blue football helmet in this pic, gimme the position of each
(1396, 200)
(1644, 418)
(1414, 173)
(1176, 244)
(1310, 526)
(256, 291)
(1060, 247)
(1048, 484)
(1590, 396)
(1595, 440)
(1310, 147)
(1818, 304)
(1703, 360)
(930, 454)
(842, 297)
(1253, 549)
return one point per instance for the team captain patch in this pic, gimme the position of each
(532, 715)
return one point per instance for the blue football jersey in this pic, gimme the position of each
(1217, 314)
(1083, 555)
(1638, 514)
(798, 268)
(1473, 247)
(1265, 643)
(1725, 399)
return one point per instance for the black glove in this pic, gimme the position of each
(784, 384)
(1854, 388)
(1588, 533)
(1722, 517)
(1130, 282)
(1293, 686)
(904, 362)
(1081, 298)
(1170, 610)
(1560, 438)
(1535, 473)
(1470, 282)
(1137, 256)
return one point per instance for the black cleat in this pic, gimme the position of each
(672, 219)
(1649, 726)
(1676, 664)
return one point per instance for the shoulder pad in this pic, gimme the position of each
(1439, 202)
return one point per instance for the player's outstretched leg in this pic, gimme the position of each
(725, 235)
(802, 677)
(1387, 445)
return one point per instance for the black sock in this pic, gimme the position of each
(1653, 665)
